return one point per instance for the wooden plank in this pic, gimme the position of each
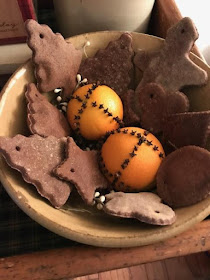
(156, 270)
(178, 269)
(138, 272)
(83, 260)
(165, 14)
(192, 267)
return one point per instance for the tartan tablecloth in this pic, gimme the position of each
(20, 234)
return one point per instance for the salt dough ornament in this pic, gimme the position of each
(191, 128)
(144, 206)
(155, 105)
(171, 66)
(130, 118)
(56, 61)
(81, 168)
(183, 178)
(35, 157)
(111, 66)
(42, 117)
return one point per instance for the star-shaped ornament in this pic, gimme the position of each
(82, 169)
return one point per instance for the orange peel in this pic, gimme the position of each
(94, 110)
(130, 159)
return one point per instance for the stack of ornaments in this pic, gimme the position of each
(105, 135)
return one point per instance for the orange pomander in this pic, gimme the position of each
(130, 159)
(94, 110)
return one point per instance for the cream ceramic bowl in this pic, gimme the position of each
(76, 221)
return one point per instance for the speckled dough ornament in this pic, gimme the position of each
(183, 178)
(130, 158)
(42, 117)
(56, 61)
(130, 118)
(81, 168)
(155, 105)
(93, 110)
(171, 66)
(144, 206)
(191, 128)
(35, 158)
(111, 66)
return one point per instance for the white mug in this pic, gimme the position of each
(81, 16)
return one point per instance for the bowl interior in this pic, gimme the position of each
(75, 220)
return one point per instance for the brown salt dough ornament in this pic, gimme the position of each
(155, 104)
(56, 61)
(35, 157)
(191, 128)
(183, 178)
(111, 66)
(81, 168)
(171, 66)
(130, 117)
(144, 206)
(42, 117)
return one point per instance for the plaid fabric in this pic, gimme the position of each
(20, 234)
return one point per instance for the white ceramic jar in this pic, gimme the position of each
(81, 16)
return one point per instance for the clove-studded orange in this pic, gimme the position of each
(130, 159)
(94, 110)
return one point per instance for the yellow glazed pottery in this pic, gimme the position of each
(76, 221)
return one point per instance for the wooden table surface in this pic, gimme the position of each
(82, 260)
